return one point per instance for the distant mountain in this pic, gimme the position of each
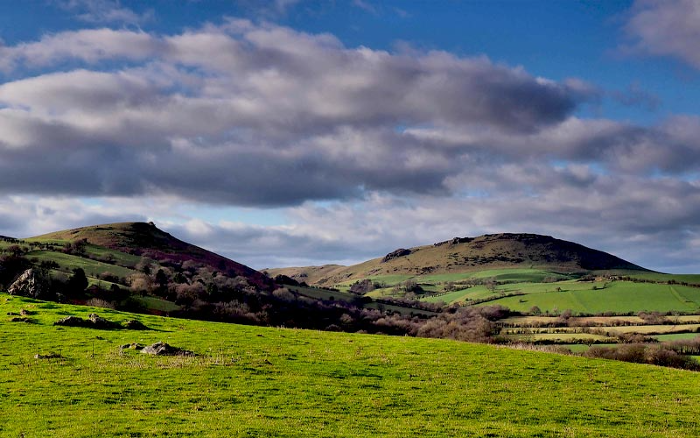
(140, 238)
(467, 254)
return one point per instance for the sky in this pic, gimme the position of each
(299, 132)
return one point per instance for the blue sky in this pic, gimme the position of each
(298, 132)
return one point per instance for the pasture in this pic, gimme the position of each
(254, 381)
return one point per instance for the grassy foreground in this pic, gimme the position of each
(252, 381)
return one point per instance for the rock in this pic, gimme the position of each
(458, 240)
(30, 284)
(132, 346)
(25, 312)
(93, 321)
(48, 356)
(163, 349)
(133, 324)
(101, 323)
(401, 252)
(73, 321)
(20, 319)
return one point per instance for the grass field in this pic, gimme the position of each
(618, 296)
(658, 276)
(254, 382)
(560, 337)
(676, 336)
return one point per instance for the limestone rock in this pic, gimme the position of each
(163, 349)
(30, 284)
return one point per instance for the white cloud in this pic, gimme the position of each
(105, 11)
(403, 148)
(666, 28)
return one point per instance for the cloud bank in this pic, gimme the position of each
(367, 150)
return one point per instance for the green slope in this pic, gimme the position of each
(252, 381)
(469, 255)
(618, 297)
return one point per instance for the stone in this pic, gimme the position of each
(48, 356)
(164, 349)
(30, 284)
(102, 323)
(133, 324)
(73, 321)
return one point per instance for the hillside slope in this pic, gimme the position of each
(491, 251)
(254, 381)
(140, 238)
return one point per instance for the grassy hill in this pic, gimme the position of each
(137, 267)
(139, 238)
(253, 381)
(519, 271)
(467, 255)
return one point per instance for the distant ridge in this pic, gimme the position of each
(468, 254)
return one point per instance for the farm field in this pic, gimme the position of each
(617, 297)
(254, 381)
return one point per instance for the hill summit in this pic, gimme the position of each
(141, 238)
(470, 254)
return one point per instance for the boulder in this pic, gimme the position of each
(101, 323)
(93, 321)
(73, 321)
(133, 346)
(163, 349)
(30, 284)
(133, 324)
(20, 319)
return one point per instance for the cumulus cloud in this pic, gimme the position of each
(404, 148)
(666, 28)
(251, 114)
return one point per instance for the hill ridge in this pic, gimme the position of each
(468, 254)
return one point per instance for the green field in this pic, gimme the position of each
(618, 296)
(658, 276)
(159, 304)
(255, 382)
(676, 336)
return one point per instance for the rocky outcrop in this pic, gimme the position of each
(401, 252)
(163, 349)
(133, 324)
(454, 241)
(93, 321)
(30, 284)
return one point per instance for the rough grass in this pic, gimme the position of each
(252, 381)
(68, 262)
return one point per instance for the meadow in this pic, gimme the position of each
(616, 297)
(253, 381)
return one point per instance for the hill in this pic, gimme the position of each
(138, 267)
(466, 255)
(139, 238)
(257, 381)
